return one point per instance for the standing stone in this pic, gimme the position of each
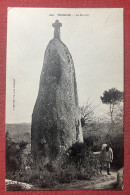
(55, 119)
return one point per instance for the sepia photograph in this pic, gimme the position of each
(64, 99)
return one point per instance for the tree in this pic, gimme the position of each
(112, 97)
(87, 111)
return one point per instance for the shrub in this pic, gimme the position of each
(99, 133)
(76, 163)
(13, 156)
(117, 142)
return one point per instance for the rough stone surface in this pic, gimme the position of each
(120, 179)
(55, 118)
(11, 185)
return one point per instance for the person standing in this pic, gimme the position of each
(106, 158)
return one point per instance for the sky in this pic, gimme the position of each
(94, 38)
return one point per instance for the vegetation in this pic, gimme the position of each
(87, 112)
(112, 97)
(106, 133)
(77, 163)
(14, 155)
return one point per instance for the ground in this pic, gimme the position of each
(102, 182)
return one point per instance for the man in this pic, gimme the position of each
(106, 158)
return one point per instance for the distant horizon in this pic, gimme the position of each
(16, 123)
(30, 123)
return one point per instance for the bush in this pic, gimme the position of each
(117, 142)
(76, 163)
(106, 133)
(79, 163)
(115, 136)
(13, 156)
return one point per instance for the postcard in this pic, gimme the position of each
(64, 99)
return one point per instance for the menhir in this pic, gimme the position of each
(55, 119)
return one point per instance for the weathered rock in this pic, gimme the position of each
(55, 119)
(120, 179)
(11, 185)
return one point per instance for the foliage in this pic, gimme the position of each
(115, 136)
(77, 163)
(87, 111)
(119, 115)
(81, 161)
(106, 133)
(112, 97)
(13, 154)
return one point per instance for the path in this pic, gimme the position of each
(102, 182)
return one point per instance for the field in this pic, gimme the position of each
(19, 132)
